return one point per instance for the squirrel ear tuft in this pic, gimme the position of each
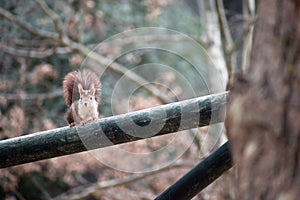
(80, 89)
(92, 90)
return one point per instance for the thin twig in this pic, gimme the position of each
(86, 51)
(32, 42)
(159, 38)
(45, 193)
(41, 96)
(224, 27)
(226, 38)
(33, 52)
(130, 75)
(81, 192)
(211, 35)
(58, 24)
(239, 42)
(28, 27)
(248, 12)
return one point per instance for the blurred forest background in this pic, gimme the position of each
(41, 41)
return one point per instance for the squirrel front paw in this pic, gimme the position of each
(72, 124)
(83, 122)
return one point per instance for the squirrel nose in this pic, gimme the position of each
(85, 104)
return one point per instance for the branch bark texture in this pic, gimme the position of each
(174, 117)
(200, 176)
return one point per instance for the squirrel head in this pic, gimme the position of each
(87, 97)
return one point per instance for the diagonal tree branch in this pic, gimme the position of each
(40, 96)
(58, 24)
(239, 42)
(64, 40)
(33, 52)
(225, 37)
(31, 43)
(28, 27)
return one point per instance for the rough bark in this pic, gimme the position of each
(264, 110)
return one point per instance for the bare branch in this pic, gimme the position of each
(105, 62)
(42, 96)
(224, 27)
(33, 53)
(248, 12)
(238, 43)
(226, 38)
(159, 38)
(53, 15)
(211, 35)
(130, 75)
(86, 190)
(39, 186)
(114, 66)
(86, 51)
(32, 42)
(28, 27)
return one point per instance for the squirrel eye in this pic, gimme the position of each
(91, 98)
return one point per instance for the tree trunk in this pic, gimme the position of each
(264, 111)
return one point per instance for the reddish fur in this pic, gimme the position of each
(86, 78)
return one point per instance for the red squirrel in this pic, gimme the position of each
(82, 90)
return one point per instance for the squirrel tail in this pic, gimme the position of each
(86, 78)
(68, 87)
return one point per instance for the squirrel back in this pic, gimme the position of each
(86, 78)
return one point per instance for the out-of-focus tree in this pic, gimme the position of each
(264, 109)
